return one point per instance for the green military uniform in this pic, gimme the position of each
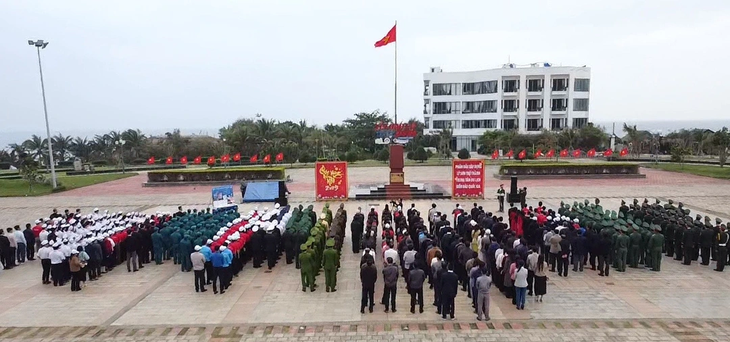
(306, 268)
(622, 246)
(655, 246)
(634, 248)
(330, 260)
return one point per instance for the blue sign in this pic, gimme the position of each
(222, 193)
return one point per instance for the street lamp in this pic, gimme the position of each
(121, 143)
(40, 44)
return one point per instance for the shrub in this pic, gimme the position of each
(464, 154)
(100, 162)
(66, 163)
(410, 155)
(139, 161)
(4, 166)
(351, 157)
(305, 157)
(383, 155)
(420, 154)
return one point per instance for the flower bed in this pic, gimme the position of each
(217, 175)
(568, 170)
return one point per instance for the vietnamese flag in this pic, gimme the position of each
(564, 153)
(184, 160)
(510, 154)
(267, 159)
(198, 160)
(168, 161)
(151, 161)
(280, 157)
(522, 154)
(538, 153)
(237, 157)
(624, 152)
(551, 153)
(254, 158)
(576, 153)
(225, 158)
(389, 38)
(495, 154)
(591, 153)
(211, 160)
(608, 153)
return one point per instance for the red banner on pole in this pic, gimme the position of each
(330, 180)
(467, 178)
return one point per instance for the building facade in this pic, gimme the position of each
(527, 99)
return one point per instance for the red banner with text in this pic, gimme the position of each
(467, 178)
(330, 180)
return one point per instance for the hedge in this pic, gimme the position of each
(567, 169)
(129, 169)
(217, 174)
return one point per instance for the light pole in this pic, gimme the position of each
(40, 44)
(121, 143)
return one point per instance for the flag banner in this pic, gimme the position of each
(198, 160)
(608, 153)
(184, 160)
(538, 153)
(254, 158)
(225, 158)
(267, 159)
(624, 152)
(389, 38)
(237, 157)
(551, 153)
(211, 160)
(522, 154)
(495, 154)
(564, 153)
(510, 154)
(330, 180)
(151, 161)
(576, 153)
(591, 153)
(467, 178)
(168, 161)
(280, 157)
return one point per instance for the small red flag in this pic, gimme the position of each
(198, 160)
(184, 160)
(608, 153)
(151, 161)
(522, 154)
(237, 157)
(564, 153)
(280, 157)
(267, 159)
(551, 153)
(168, 161)
(624, 152)
(591, 153)
(225, 158)
(510, 154)
(576, 153)
(495, 154)
(211, 160)
(538, 153)
(254, 158)
(389, 38)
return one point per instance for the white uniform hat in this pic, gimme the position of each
(322, 216)
(549, 218)
(197, 248)
(255, 228)
(473, 223)
(223, 248)
(73, 251)
(43, 243)
(229, 225)
(276, 206)
(96, 209)
(209, 242)
(387, 225)
(576, 220)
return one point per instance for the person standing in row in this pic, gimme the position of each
(390, 280)
(416, 277)
(483, 284)
(520, 278)
(20, 250)
(500, 197)
(198, 260)
(541, 278)
(449, 287)
(368, 277)
(217, 260)
(722, 240)
(44, 253)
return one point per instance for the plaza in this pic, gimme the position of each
(680, 303)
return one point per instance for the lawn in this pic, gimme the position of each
(700, 170)
(19, 187)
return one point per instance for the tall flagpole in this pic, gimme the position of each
(395, 97)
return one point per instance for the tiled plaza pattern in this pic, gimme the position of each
(681, 303)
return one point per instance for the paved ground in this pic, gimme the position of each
(678, 304)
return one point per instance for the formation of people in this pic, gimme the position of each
(322, 243)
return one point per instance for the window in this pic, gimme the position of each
(446, 107)
(426, 121)
(426, 104)
(557, 124)
(440, 124)
(444, 89)
(534, 124)
(480, 107)
(487, 87)
(582, 84)
(425, 88)
(534, 105)
(509, 124)
(510, 105)
(580, 122)
(560, 84)
(534, 85)
(478, 124)
(559, 105)
(511, 86)
(580, 105)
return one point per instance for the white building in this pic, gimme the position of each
(529, 99)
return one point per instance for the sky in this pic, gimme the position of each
(200, 65)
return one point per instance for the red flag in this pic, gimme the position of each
(225, 158)
(522, 154)
(576, 153)
(267, 159)
(151, 161)
(591, 153)
(198, 160)
(551, 153)
(211, 160)
(624, 152)
(254, 158)
(564, 153)
(184, 160)
(389, 38)
(237, 157)
(280, 157)
(538, 154)
(608, 153)
(510, 154)
(495, 154)
(168, 161)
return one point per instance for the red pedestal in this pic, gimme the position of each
(396, 187)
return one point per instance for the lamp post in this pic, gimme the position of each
(40, 44)
(121, 143)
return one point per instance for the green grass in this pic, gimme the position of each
(19, 187)
(699, 170)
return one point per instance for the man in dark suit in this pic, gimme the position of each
(368, 276)
(449, 285)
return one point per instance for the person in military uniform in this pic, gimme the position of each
(722, 244)
(669, 236)
(688, 244)
(634, 246)
(679, 230)
(707, 238)
(656, 242)
(306, 261)
(158, 247)
(622, 246)
(330, 263)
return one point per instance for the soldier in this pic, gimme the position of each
(634, 246)
(678, 240)
(687, 243)
(656, 242)
(356, 228)
(158, 246)
(722, 240)
(622, 245)
(331, 261)
(669, 237)
(271, 242)
(307, 267)
(185, 249)
(706, 240)
(715, 230)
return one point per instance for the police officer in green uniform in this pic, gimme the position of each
(331, 261)
(634, 246)
(655, 247)
(622, 245)
(306, 268)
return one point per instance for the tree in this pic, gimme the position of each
(29, 172)
(421, 155)
(134, 141)
(61, 145)
(464, 154)
(679, 153)
(351, 156)
(445, 142)
(81, 148)
(721, 140)
(383, 155)
(590, 136)
(37, 146)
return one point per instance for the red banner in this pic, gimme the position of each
(330, 180)
(467, 178)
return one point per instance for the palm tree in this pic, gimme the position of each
(17, 151)
(81, 148)
(61, 146)
(134, 140)
(37, 146)
(264, 131)
(102, 146)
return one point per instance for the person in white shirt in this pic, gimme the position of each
(21, 249)
(44, 253)
(57, 259)
(43, 236)
(391, 253)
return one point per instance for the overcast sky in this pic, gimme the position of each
(203, 64)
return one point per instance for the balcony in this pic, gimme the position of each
(534, 111)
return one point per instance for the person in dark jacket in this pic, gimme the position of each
(707, 237)
(356, 228)
(271, 244)
(368, 277)
(257, 246)
(416, 277)
(603, 250)
(29, 242)
(5, 256)
(390, 280)
(131, 245)
(564, 254)
(95, 258)
(449, 287)
(688, 243)
(579, 252)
